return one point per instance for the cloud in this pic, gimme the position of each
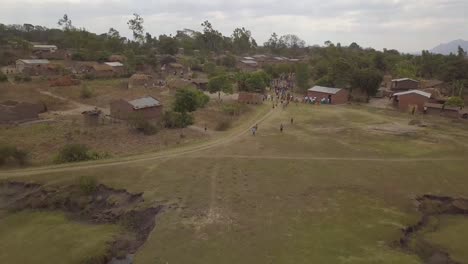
(409, 25)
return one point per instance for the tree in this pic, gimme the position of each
(136, 26)
(212, 39)
(219, 84)
(167, 45)
(242, 41)
(272, 44)
(302, 76)
(188, 100)
(368, 80)
(65, 23)
(461, 52)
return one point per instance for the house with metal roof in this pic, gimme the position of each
(411, 100)
(247, 65)
(404, 84)
(35, 64)
(331, 95)
(41, 47)
(147, 107)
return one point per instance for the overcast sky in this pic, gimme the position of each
(408, 26)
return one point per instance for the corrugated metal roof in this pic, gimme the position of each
(144, 102)
(404, 79)
(428, 95)
(114, 64)
(35, 61)
(323, 89)
(40, 46)
(248, 58)
(249, 62)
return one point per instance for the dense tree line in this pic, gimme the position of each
(328, 65)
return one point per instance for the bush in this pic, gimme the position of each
(22, 78)
(173, 119)
(77, 153)
(223, 125)
(455, 101)
(139, 123)
(234, 109)
(86, 92)
(3, 77)
(188, 100)
(12, 153)
(88, 184)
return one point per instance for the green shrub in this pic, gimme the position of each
(223, 125)
(22, 78)
(3, 77)
(76, 153)
(173, 119)
(455, 101)
(139, 123)
(233, 109)
(86, 92)
(8, 152)
(88, 184)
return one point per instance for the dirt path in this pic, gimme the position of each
(139, 158)
(79, 107)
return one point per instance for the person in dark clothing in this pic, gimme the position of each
(414, 110)
(292, 120)
(281, 128)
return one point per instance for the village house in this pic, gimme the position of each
(95, 70)
(173, 67)
(334, 95)
(201, 83)
(409, 100)
(32, 65)
(148, 107)
(140, 80)
(117, 58)
(117, 67)
(441, 110)
(247, 65)
(44, 48)
(250, 98)
(404, 84)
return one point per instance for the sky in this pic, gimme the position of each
(408, 26)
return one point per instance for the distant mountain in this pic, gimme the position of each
(451, 47)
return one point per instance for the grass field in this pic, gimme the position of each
(337, 186)
(33, 237)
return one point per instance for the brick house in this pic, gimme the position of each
(408, 100)
(439, 109)
(117, 67)
(31, 65)
(250, 98)
(336, 95)
(404, 84)
(140, 80)
(247, 65)
(149, 107)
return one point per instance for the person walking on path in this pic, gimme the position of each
(292, 120)
(254, 130)
(281, 128)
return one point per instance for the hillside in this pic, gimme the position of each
(450, 47)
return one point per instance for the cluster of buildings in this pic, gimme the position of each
(256, 62)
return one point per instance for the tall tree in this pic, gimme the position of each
(65, 23)
(220, 83)
(242, 40)
(136, 26)
(302, 76)
(368, 80)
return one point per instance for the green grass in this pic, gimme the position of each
(451, 237)
(262, 200)
(33, 237)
